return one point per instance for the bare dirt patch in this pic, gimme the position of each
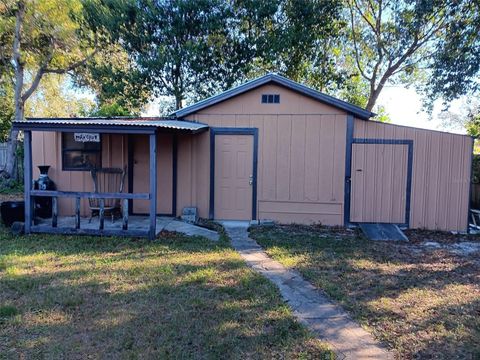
(443, 237)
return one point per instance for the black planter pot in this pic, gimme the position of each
(12, 211)
(43, 205)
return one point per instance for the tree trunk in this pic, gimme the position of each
(9, 170)
(13, 139)
(178, 101)
(372, 99)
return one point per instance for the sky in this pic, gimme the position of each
(404, 106)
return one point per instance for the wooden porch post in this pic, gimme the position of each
(27, 179)
(153, 185)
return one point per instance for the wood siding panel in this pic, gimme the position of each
(297, 156)
(269, 152)
(250, 103)
(284, 136)
(141, 171)
(441, 174)
(294, 152)
(201, 176)
(184, 173)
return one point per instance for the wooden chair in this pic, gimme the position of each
(107, 180)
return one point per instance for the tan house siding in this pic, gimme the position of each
(441, 173)
(141, 168)
(300, 156)
(291, 102)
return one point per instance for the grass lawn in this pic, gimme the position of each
(423, 303)
(177, 297)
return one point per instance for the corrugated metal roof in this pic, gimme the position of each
(164, 123)
(283, 81)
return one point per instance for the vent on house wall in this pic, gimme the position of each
(270, 98)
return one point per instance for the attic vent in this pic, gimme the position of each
(270, 99)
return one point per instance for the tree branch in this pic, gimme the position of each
(362, 14)
(38, 76)
(355, 46)
(18, 35)
(72, 66)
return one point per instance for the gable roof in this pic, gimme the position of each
(280, 80)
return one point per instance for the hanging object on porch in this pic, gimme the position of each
(43, 205)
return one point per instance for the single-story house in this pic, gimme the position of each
(268, 149)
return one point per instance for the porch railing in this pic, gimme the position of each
(125, 197)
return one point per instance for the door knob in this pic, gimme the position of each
(250, 181)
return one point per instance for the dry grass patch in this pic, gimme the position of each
(423, 303)
(177, 297)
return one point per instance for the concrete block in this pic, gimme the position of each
(190, 215)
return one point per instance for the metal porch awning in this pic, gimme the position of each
(126, 125)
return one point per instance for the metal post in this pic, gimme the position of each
(27, 179)
(153, 186)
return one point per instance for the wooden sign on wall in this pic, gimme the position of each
(87, 137)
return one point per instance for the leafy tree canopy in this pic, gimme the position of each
(401, 41)
(39, 38)
(190, 49)
(456, 67)
(57, 97)
(115, 79)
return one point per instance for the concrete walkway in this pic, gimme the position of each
(171, 224)
(325, 319)
(137, 222)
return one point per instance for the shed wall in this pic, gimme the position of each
(301, 156)
(441, 173)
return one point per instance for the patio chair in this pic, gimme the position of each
(107, 180)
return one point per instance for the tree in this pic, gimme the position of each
(120, 88)
(180, 45)
(6, 108)
(56, 96)
(46, 37)
(456, 65)
(467, 118)
(395, 40)
(302, 41)
(190, 49)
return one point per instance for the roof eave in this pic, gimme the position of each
(126, 129)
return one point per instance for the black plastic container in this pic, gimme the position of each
(12, 211)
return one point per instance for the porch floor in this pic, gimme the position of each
(135, 222)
